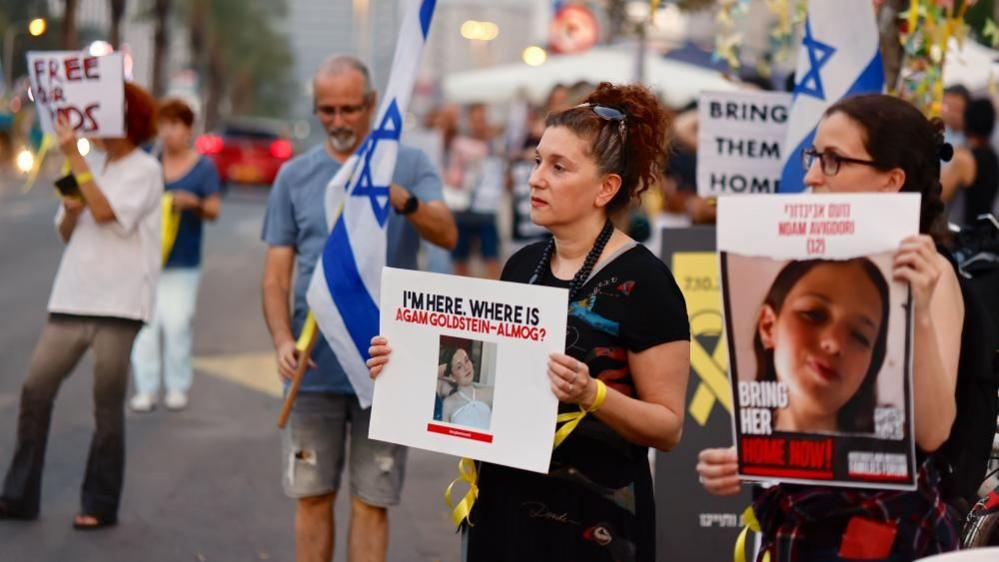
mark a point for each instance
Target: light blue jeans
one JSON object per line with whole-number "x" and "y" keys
{"x": 176, "y": 299}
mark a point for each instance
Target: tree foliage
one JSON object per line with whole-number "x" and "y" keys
{"x": 244, "y": 60}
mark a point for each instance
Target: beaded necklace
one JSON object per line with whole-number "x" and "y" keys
{"x": 583, "y": 275}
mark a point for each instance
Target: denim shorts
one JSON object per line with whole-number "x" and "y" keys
{"x": 313, "y": 447}
{"x": 472, "y": 226}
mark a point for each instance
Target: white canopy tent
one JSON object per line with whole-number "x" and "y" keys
{"x": 973, "y": 65}
{"x": 679, "y": 83}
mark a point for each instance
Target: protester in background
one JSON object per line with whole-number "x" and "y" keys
{"x": 578, "y": 93}
{"x": 430, "y": 137}
{"x": 681, "y": 174}
{"x": 476, "y": 170}
{"x": 103, "y": 292}
{"x": 193, "y": 183}
{"x": 557, "y": 100}
{"x": 327, "y": 409}
{"x": 879, "y": 143}
{"x": 520, "y": 165}
{"x": 445, "y": 119}
{"x": 973, "y": 177}
{"x": 952, "y": 105}
{"x": 628, "y": 354}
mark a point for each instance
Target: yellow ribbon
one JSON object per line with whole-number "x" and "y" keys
{"x": 171, "y": 224}
{"x": 36, "y": 166}
{"x": 751, "y": 524}
{"x": 468, "y": 474}
{"x": 466, "y": 466}
{"x": 307, "y": 330}
{"x": 572, "y": 419}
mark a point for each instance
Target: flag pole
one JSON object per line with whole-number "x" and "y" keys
{"x": 306, "y": 342}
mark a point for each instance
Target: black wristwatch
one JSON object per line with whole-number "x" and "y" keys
{"x": 410, "y": 205}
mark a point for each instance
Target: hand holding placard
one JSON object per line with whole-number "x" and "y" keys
{"x": 65, "y": 136}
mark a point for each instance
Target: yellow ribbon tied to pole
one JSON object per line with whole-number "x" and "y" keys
{"x": 307, "y": 331}
{"x": 170, "y": 224}
{"x": 750, "y": 524}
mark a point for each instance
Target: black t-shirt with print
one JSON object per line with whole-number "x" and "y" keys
{"x": 596, "y": 502}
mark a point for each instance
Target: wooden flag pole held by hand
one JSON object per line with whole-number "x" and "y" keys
{"x": 306, "y": 341}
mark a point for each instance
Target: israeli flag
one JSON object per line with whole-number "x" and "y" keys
{"x": 839, "y": 57}
{"x": 345, "y": 288}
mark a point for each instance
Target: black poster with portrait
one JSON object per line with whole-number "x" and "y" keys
{"x": 691, "y": 524}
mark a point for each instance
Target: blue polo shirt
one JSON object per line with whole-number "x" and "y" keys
{"x": 296, "y": 217}
{"x": 202, "y": 180}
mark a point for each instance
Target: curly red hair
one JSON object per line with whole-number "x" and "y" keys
{"x": 140, "y": 112}
{"x": 639, "y": 155}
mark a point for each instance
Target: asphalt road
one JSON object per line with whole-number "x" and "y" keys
{"x": 203, "y": 484}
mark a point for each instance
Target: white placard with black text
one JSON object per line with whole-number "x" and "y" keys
{"x": 468, "y": 371}
{"x": 740, "y": 142}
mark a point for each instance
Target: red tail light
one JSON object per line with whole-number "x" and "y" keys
{"x": 281, "y": 149}
{"x": 209, "y": 144}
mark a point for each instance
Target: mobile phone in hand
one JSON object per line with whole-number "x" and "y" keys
{"x": 68, "y": 187}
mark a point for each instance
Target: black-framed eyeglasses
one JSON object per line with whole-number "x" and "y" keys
{"x": 609, "y": 114}
{"x": 830, "y": 162}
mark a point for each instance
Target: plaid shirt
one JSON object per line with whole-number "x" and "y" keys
{"x": 796, "y": 519}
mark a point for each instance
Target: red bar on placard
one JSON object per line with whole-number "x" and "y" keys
{"x": 788, "y": 472}
{"x": 456, "y": 432}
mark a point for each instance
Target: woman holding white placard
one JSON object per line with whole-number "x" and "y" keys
{"x": 878, "y": 143}
{"x": 101, "y": 296}
{"x": 627, "y": 354}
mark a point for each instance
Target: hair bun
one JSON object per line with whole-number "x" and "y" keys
{"x": 945, "y": 151}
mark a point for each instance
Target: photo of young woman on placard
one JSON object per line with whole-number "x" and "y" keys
{"x": 821, "y": 329}
{"x": 465, "y": 380}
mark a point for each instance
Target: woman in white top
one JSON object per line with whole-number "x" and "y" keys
{"x": 470, "y": 405}
{"x": 101, "y": 296}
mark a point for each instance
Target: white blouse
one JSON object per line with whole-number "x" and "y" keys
{"x": 111, "y": 269}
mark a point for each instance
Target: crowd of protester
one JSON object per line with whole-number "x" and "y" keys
{"x": 466, "y": 201}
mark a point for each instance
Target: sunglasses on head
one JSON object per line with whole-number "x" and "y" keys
{"x": 608, "y": 114}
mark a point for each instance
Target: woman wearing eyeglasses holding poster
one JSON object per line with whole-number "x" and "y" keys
{"x": 627, "y": 354}
{"x": 878, "y": 143}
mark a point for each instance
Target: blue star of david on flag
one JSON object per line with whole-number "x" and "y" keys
{"x": 389, "y": 129}
{"x": 345, "y": 288}
{"x": 839, "y": 57}
{"x": 819, "y": 54}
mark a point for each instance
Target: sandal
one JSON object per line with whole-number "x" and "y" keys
{"x": 87, "y": 522}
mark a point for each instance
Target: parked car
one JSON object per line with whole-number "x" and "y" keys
{"x": 246, "y": 152}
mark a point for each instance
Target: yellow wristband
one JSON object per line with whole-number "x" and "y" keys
{"x": 83, "y": 178}
{"x": 598, "y": 400}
